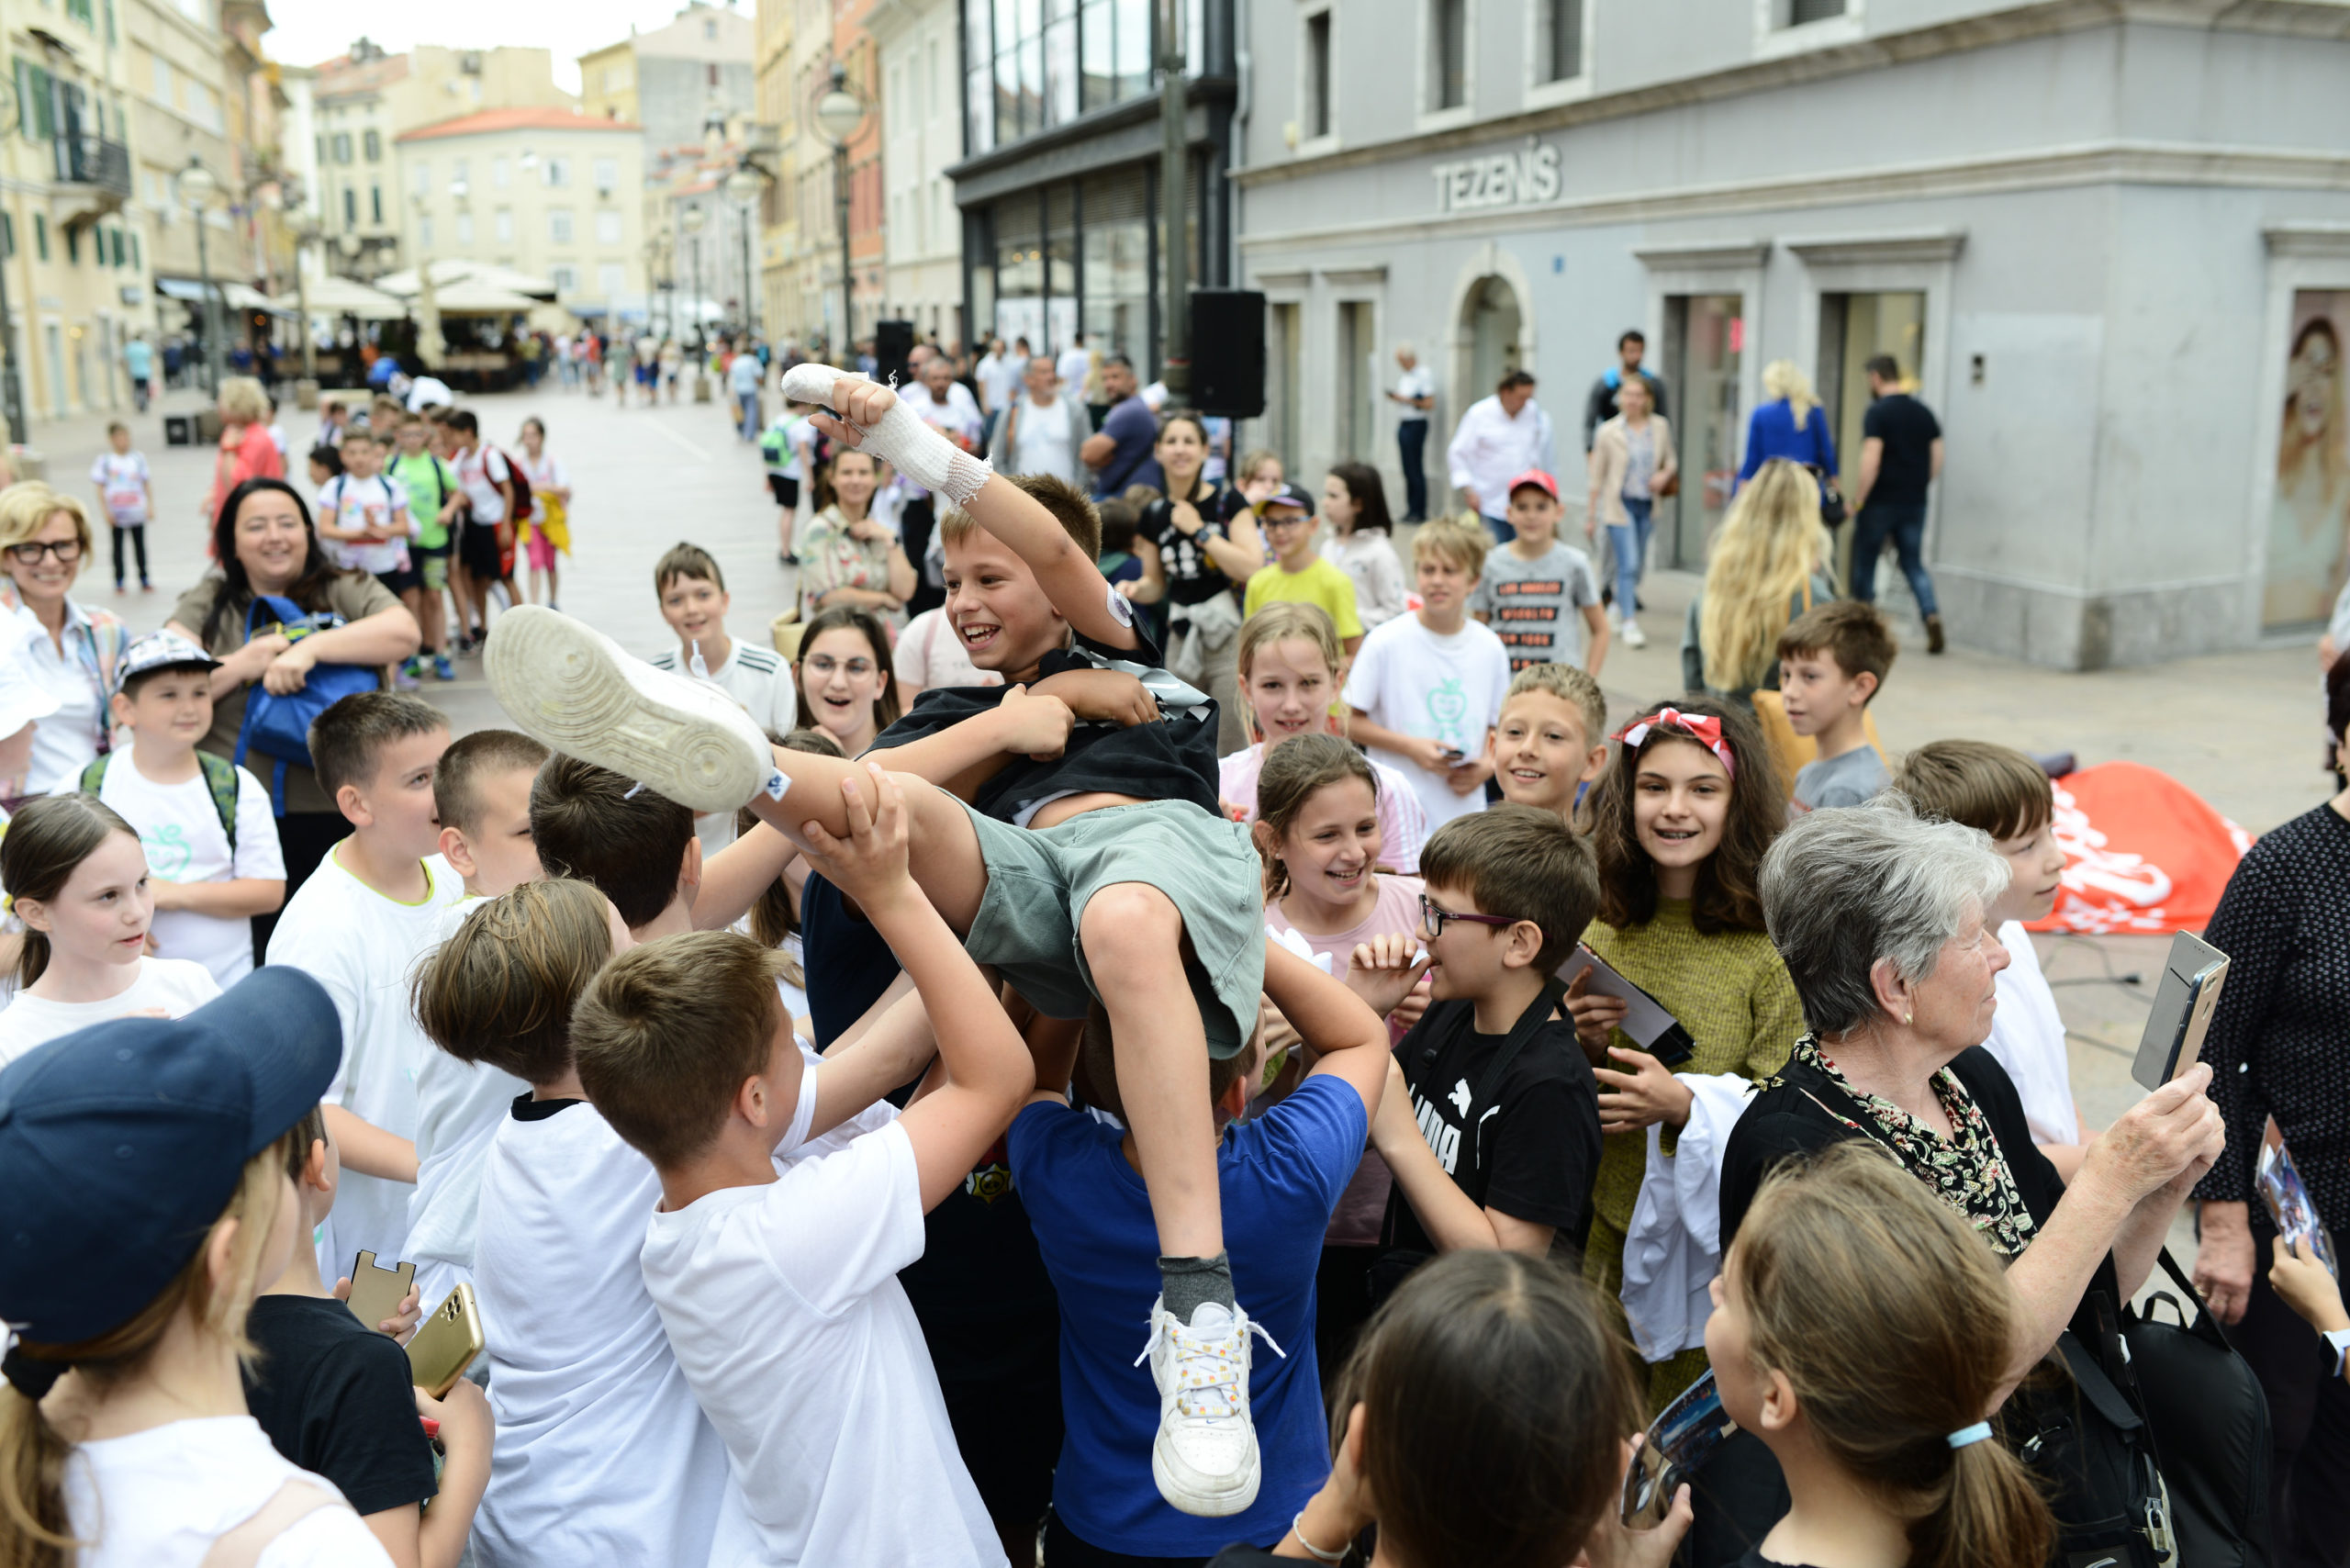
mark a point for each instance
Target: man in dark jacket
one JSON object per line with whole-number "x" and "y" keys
{"x": 1600, "y": 406}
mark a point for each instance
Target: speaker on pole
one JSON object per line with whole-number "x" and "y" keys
{"x": 892, "y": 342}
{"x": 1228, "y": 352}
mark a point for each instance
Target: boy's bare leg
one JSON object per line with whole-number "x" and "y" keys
{"x": 1132, "y": 931}
{"x": 943, "y": 847}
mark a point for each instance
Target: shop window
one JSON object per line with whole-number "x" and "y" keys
{"x": 1317, "y": 75}
{"x": 1448, "y": 56}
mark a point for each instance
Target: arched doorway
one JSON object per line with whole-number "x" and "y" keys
{"x": 1490, "y": 323}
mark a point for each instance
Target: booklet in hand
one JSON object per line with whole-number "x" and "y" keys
{"x": 1679, "y": 1442}
{"x": 1647, "y": 1023}
{"x": 2288, "y": 1201}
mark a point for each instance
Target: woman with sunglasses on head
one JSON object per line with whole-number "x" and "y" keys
{"x": 44, "y": 545}
{"x": 1681, "y": 819}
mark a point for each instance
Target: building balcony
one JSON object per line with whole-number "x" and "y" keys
{"x": 95, "y": 161}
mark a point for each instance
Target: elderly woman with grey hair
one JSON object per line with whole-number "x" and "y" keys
{"x": 1879, "y": 915}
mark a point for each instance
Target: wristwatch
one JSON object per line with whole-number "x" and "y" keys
{"x": 2336, "y": 1345}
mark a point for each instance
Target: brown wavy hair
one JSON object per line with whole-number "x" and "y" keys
{"x": 1725, "y": 899}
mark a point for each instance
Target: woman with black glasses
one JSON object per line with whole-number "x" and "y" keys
{"x": 44, "y": 545}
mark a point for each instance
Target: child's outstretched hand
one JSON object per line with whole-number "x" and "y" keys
{"x": 857, "y": 406}
{"x": 869, "y": 865}
{"x": 2307, "y": 1287}
{"x": 1384, "y": 971}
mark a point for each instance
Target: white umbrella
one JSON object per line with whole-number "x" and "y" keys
{"x": 450, "y": 270}
{"x": 342, "y": 297}
{"x": 473, "y": 296}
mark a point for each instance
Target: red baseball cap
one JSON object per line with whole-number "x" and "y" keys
{"x": 1538, "y": 479}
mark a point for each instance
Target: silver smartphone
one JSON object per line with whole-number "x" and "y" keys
{"x": 2192, "y": 975}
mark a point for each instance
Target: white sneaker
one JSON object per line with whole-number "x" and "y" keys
{"x": 1633, "y": 636}
{"x": 568, "y": 686}
{"x": 1205, "y": 1457}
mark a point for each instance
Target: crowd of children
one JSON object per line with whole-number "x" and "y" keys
{"x": 1065, "y": 1144}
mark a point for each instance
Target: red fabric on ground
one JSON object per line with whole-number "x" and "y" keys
{"x": 2144, "y": 853}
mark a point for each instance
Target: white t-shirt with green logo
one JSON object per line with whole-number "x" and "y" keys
{"x": 179, "y": 827}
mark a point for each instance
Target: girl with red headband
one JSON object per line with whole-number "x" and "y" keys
{"x": 1681, "y": 818}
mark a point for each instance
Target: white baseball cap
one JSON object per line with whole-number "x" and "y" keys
{"x": 22, "y": 699}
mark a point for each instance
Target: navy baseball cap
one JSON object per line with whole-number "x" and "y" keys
{"x": 121, "y": 1143}
{"x": 1289, "y": 495}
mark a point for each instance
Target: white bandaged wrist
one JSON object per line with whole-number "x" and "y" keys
{"x": 900, "y": 438}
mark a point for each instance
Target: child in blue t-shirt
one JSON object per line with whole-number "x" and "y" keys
{"x": 1281, "y": 1174}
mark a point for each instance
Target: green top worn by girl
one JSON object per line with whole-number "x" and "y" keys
{"x": 1730, "y": 990}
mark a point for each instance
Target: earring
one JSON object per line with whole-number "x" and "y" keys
{"x": 1908, "y": 1018}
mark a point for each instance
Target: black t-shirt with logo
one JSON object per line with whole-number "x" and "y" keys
{"x": 1173, "y": 759}
{"x": 336, "y": 1398}
{"x": 1908, "y": 430}
{"x": 1532, "y": 1151}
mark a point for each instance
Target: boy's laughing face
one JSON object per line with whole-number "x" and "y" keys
{"x": 997, "y": 606}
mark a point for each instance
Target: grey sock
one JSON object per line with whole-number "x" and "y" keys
{"x": 1184, "y": 1283}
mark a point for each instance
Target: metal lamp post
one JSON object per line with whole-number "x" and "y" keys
{"x": 197, "y": 187}
{"x": 743, "y": 188}
{"x": 1175, "y": 363}
{"x": 840, "y": 113}
{"x": 693, "y": 220}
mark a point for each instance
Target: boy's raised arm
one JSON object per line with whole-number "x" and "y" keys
{"x": 988, "y": 1071}
{"x": 868, "y": 415}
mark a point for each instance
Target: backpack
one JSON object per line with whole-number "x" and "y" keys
{"x": 522, "y": 505}
{"x": 219, "y": 782}
{"x": 2209, "y": 1418}
{"x": 279, "y": 727}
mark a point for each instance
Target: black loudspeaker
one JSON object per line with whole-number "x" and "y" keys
{"x": 892, "y": 341}
{"x": 1228, "y": 352}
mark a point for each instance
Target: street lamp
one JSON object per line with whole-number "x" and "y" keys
{"x": 840, "y": 114}
{"x": 743, "y": 187}
{"x": 197, "y": 187}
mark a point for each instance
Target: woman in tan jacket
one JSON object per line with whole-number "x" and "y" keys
{"x": 1631, "y": 465}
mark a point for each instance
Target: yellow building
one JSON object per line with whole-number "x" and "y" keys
{"x": 608, "y": 82}
{"x": 550, "y": 192}
{"x": 778, "y": 212}
{"x": 359, "y": 193}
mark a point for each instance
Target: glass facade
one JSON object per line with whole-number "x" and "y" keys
{"x": 1035, "y": 64}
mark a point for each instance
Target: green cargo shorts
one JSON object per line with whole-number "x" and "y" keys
{"x": 1040, "y": 882}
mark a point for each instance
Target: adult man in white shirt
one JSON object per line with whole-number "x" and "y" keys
{"x": 946, "y": 405}
{"x": 1414, "y": 395}
{"x": 1074, "y": 365}
{"x": 1499, "y": 438}
{"x": 1039, "y": 433}
{"x": 998, "y": 375}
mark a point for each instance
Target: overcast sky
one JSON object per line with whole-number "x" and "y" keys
{"x": 308, "y": 31}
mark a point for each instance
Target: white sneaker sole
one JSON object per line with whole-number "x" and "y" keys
{"x": 573, "y": 690}
{"x": 1236, "y": 1498}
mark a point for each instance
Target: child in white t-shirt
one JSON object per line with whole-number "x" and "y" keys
{"x": 693, "y": 598}
{"x": 1426, "y": 686}
{"x": 127, "y": 493}
{"x": 481, "y": 792}
{"x": 779, "y": 1288}
{"x": 357, "y": 927}
{"x": 363, "y": 519}
{"x": 213, "y": 860}
{"x": 78, "y": 878}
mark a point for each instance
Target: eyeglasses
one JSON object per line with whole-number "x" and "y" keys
{"x": 1436, "y": 914}
{"x": 824, "y": 664}
{"x": 67, "y": 552}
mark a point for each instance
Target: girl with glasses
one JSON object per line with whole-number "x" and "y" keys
{"x": 843, "y": 677}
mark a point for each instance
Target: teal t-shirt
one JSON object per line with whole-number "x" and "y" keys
{"x": 429, "y": 482}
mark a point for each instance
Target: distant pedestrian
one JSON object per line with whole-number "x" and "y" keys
{"x": 1791, "y": 424}
{"x": 1499, "y": 438}
{"x": 246, "y": 450}
{"x": 549, "y": 523}
{"x": 1074, "y": 365}
{"x": 1901, "y": 453}
{"x": 1601, "y": 406}
{"x": 138, "y": 359}
{"x": 1767, "y": 565}
{"x": 745, "y": 376}
{"x": 1039, "y": 431}
{"x": 128, "y": 492}
{"x": 1631, "y": 465}
{"x": 1415, "y": 393}
{"x": 1119, "y": 450}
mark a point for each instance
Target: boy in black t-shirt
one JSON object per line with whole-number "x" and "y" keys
{"x": 334, "y": 1394}
{"x": 1062, "y": 851}
{"x": 1491, "y": 1122}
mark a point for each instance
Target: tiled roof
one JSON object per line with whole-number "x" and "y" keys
{"x": 544, "y": 118}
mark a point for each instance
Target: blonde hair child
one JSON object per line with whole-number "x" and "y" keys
{"x": 1288, "y": 667}
{"x": 1864, "y": 1332}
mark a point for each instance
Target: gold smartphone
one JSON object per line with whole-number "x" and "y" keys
{"x": 446, "y": 1343}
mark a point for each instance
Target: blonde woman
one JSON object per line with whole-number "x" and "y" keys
{"x": 1632, "y": 461}
{"x": 44, "y": 545}
{"x": 1768, "y": 565}
{"x": 1789, "y": 423}
{"x": 2306, "y": 531}
{"x": 247, "y": 452}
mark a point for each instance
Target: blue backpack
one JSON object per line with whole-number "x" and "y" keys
{"x": 279, "y": 727}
